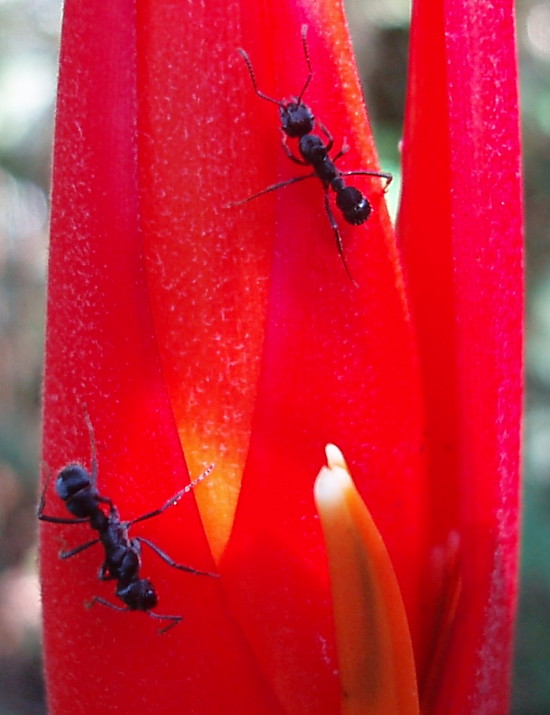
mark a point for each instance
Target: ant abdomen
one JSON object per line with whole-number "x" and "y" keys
{"x": 354, "y": 206}
{"x": 138, "y": 595}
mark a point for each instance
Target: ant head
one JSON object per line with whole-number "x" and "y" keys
{"x": 76, "y": 487}
{"x": 354, "y": 206}
{"x": 72, "y": 479}
{"x": 297, "y": 119}
{"x": 139, "y": 595}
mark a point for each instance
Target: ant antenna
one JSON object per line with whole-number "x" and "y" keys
{"x": 261, "y": 94}
{"x": 199, "y": 479}
{"x": 308, "y": 61}
{"x": 91, "y": 433}
{"x": 93, "y": 444}
{"x": 173, "y": 500}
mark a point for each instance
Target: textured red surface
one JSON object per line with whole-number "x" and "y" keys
{"x": 102, "y": 351}
{"x": 238, "y": 328}
{"x": 460, "y": 227}
{"x": 268, "y": 349}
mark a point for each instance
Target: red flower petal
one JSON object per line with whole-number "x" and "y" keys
{"x": 460, "y": 226}
{"x": 330, "y": 362}
{"x": 339, "y": 364}
{"x": 102, "y": 354}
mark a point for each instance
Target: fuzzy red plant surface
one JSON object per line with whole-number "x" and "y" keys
{"x": 194, "y": 331}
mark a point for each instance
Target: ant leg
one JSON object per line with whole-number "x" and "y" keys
{"x": 173, "y": 500}
{"x": 161, "y": 617}
{"x": 290, "y": 155}
{"x": 174, "y": 619}
{"x": 173, "y": 563}
{"x": 77, "y": 550}
{"x": 58, "y": 520}
{"x": 98, "y": 599}
{"x": 343, "y": 150}
{"x": 273, "y": 187}
{"x": 42, "y": 500}
{"x": 338, "y": 237}
{"x": 379, "y": 174}
{"x": 328, "y": 136}
{"x": 104, "y": 574}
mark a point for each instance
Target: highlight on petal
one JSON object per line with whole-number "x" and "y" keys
{"x": 375, "y": 656}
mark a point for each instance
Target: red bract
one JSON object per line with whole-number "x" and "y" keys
{"x": 460, "y": 226}
{"x": 194, "y": 331}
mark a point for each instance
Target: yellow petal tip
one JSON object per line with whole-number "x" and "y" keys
{"x": 375, "y": 658}
{"x": 335, "y": 458}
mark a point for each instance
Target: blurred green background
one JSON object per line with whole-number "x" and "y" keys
{"x": 29, "y": 37}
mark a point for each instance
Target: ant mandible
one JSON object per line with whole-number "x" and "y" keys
{"x": 298, "y": 121}
{"x": 77, "y": 487}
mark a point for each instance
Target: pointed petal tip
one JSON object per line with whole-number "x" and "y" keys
{"x": 375, "y": 656}
{"x": 335, "y": 458}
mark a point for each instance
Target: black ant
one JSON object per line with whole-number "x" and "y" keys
{"x": 298, "y": 121}
{"x": 77, "y": 487}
